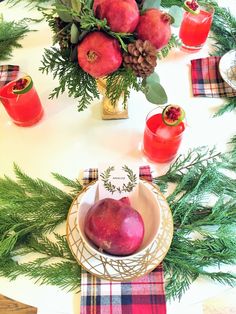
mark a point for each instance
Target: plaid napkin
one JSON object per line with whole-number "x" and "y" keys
{"x": 145, "y": 295}
{"x": 206, "y": 79}
{"x": 8, "y": 73}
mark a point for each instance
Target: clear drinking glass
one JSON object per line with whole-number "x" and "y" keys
{"x": 160, "y": 141}
{"x": 194, "y": 29}
{"x": 24, "y": 109}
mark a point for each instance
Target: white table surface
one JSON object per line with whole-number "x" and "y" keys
{"x": 66, "y": 141}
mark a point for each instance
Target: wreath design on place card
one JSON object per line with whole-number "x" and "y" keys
{"x": 111, "y": 187}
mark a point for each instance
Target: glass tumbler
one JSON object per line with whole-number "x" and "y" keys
{"x": 160, "y": 141}
{"x": 194, "y": 28}
{"x": 24, "y": 108}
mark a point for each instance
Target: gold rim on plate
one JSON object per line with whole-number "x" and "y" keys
{"x": 132, "y": 266}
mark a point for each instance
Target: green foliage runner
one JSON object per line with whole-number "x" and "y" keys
{"x": 32, "y": 209}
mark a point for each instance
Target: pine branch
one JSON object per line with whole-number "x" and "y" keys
{"x": 71, "y": 77}
{"x": 228, "y": 107}
{"x": 18, "y": 200}
{"x": 199, "y": 157}
{"x": 174, "y": 42}
{"x": 75, "y": 185}
{"x": 10, "y": 35}
{"x": 65, "y": 275}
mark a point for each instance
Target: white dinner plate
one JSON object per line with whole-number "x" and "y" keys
{"x": 119, "y": 268}
{"x": 227, "y": 68}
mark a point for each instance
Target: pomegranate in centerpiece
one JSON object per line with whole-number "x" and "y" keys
{"x": 99, "y": 54}
{"x": 114, "y": 226}
{"x": 122, "y": 15}
{"x": 154, "y": 25}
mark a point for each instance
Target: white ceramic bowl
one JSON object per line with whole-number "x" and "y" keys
{"x": 158, "y": 224}
{"x": 142, "y": 199}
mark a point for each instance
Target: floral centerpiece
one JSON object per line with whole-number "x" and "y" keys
{"x": 109, "y": 41}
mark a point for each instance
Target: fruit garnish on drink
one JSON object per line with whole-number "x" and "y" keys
{"x": 114, "y": 226}
{"x": 191, "y": 6}
{"x": 22, "y": 85}
{"x": 172, "y": 115}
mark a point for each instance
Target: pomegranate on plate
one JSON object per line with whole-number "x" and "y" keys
{"x": 114, "y": 226}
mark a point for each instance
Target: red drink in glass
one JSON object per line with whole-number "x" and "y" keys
{"x": 161, "y": 141}
{"x": 24, "y": 109}
{"x": 194, "y": 29}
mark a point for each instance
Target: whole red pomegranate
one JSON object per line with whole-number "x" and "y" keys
{"x": 114, "y": 226}
{"x": 99, "y": 54}
{"x": 122, "y": 15}
{"x": 154, "y": 25}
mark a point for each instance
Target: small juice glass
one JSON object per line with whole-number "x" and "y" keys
{"x": 160, "y": 141}
{"x": 194, "y": 29}
{"x": 24, "y": 109}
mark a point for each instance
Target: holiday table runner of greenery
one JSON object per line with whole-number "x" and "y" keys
{"x": 203, "y": 204}
{"x": 31, "y": 210}
{"x": 69, "y": 20}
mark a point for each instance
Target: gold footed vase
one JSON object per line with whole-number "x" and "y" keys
{"x": 109, "y": 110}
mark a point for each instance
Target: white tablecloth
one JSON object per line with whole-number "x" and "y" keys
{"x": 66, "y": 142}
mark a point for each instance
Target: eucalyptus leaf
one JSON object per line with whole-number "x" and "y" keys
{"x": 76, "y": 5}
{"x": 152, "y": 78}
{"x": 63, "y": 14}
{"x": 177, "y": 14}
{"x": 74, "y": 34}
{"x": 155, "y": 93}
{"x": 151, "y": 4}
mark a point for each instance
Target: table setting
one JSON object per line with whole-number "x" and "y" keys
{"x": 123, "y": 107}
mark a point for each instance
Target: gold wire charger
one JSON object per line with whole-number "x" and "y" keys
{"x": 115, "y": 268}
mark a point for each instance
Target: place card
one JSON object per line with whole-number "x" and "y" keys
{"x": 117, "y": 181}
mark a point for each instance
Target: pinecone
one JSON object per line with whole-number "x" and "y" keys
{"x": 62, "y": 33}
{"x": 141, "y": 58}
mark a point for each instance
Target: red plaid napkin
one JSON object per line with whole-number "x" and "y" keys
{"x": 8, "y": 73}
{"x": 206, "y": 79}
{"x": 145, "y": 295}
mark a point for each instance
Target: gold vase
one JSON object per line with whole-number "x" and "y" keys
{"x": 111, "y": 111}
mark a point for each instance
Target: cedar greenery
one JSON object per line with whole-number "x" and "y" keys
{"x": 10, "y": 35}
{"x": 30, "y": 207}
{"x": 78, "y": 83}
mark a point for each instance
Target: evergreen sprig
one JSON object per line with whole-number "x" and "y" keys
{"x": 120, "y": 83}
{"x": 174, "y": 42}
{"x": 11, "y": 33}
{"x": 78, "y": 83}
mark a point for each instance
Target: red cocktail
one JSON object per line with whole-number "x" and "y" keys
{"x": 161, "y": 141}
{"x": 25, "y": 109}
{"x": 195, "y": 28}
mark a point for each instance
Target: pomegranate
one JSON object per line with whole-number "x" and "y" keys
{"x": 122, "y": 15}
{"x": 114, "y": 226}
{"x": 154, "y": 25}
{"x": 99, "y": 54}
